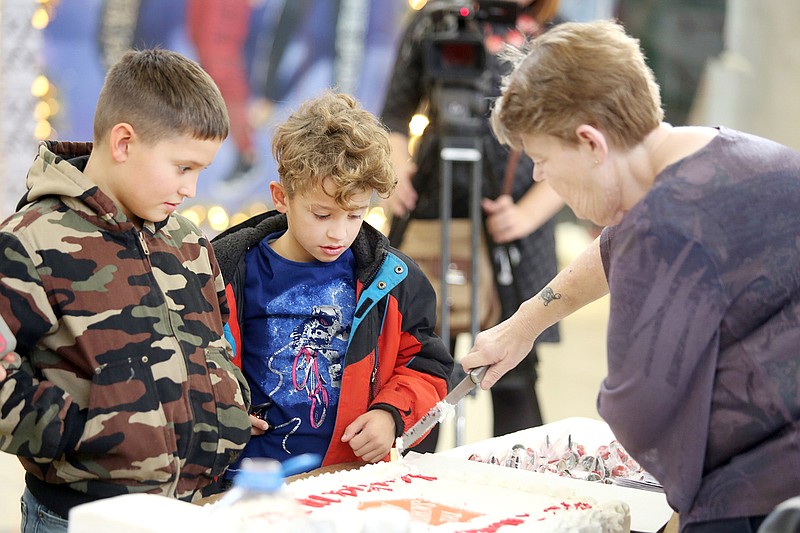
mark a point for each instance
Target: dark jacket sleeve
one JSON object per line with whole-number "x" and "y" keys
{"x": 406, "y": 86}
{"x": 423, "y": 365}
{"x": 418, "y": 308}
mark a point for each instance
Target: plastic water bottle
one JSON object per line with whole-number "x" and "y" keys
{"x": 257, "y": 501}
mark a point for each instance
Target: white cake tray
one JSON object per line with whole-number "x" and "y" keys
{"x": 649, "y": 510}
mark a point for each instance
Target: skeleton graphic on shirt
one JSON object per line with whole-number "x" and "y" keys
{"x": 308, "y": 342}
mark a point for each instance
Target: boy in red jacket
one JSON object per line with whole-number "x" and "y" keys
{"x": 335, "y": 329}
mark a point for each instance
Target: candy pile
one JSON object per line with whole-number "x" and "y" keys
{"x": 568, "y": 458}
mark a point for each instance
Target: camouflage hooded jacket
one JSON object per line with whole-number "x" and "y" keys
{"x": 125, "y": 382}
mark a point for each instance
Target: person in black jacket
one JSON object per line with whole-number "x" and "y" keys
{"x": 517, "y": 215}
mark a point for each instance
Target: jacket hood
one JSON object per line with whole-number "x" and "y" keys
{"x": 57, "y": 172}
{"x": 53, "y": 174}
{"x": 369, "y": 248}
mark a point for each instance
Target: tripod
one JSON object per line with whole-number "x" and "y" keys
{"x": 463, "y": 151}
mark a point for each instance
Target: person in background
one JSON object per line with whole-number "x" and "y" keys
{"x": 218, "y": 30}
{"x": 700, "y": 257}
{"x": 123, "y": 380}
{"x": 333, "y": 327}
{"x": 518, "y": 215}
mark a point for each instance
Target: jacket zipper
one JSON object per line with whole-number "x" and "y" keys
{"x": 372, "y": 386}
{"x": 176, "y": 460}
{"x": 370, "y": 278}
{"x": 143, "y": 243}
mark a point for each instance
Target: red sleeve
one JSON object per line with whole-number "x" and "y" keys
{"x": 233, "y": 325}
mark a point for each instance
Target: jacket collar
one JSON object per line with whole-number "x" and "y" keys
{"x": 369, "y": 248}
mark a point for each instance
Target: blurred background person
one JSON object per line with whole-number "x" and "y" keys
{"x": 218, "y": 30}
{"x": 678, "y": 38}
{"x": 517, "y": 215}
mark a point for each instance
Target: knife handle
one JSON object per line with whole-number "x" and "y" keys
{"x": 476, "y": 374}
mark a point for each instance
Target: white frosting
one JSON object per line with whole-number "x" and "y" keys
{"x": 453, "y": 502}
{"x": 444, "y": 412}
{"x": 136, "y": 513}
{"x": 445, "y": 501}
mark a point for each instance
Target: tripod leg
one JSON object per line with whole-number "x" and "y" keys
{"x": 464, "y": 151}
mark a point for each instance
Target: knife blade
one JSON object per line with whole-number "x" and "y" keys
{"x": 438, "y": 411}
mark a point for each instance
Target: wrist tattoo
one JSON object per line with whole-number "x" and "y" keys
{"x": 548, "y": 295}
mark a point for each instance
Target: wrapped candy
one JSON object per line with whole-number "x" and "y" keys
{"x": 565, "y": 457}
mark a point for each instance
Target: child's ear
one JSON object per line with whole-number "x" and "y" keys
{"x": 119, "y": 141}
{"x": 279, "y": 196}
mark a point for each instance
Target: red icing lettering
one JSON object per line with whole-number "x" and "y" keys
{"x": 565, "y": 506}
{"x": 315, "y": 500}
{"x": 348, "y": 491}
{"x": 379, "y": 486}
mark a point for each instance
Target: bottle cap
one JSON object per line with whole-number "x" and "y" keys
{"x": 260, "y": 475}
{"x": 301, "y": 463}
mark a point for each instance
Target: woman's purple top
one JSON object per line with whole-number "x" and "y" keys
{"x": 703, "y": 385}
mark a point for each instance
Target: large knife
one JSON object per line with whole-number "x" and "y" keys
{"x": 441, "y": 410}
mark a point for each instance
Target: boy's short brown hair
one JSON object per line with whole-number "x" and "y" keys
{"x": 161, "y": 94}
{"x": 578, "y": 73}
{"x": 332, "y": 136}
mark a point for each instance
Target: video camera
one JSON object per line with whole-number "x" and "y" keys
{"x": 455, "y": 59}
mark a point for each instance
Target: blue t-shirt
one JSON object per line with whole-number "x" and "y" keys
{"x": 296, "y": 325}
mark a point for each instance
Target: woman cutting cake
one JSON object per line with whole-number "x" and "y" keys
{"x": 701, "y": 257}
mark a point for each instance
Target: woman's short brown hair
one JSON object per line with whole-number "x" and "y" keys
{"x": 578, "y": 73}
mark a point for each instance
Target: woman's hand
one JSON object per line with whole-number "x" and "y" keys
{"x": 404, "y": 198}
{"x": 501, "y": 348}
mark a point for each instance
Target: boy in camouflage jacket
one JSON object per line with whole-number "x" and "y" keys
{"x": 123, "y": 380}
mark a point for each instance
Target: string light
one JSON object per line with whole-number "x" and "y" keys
{"x": 218, "y": 218}
{"x": 417, "y": 125}
{"x": 41, "y": 88}
{"x": 238, "y": 218}
{"x": 40, "y": 19}
{"x": 376, "y": 217}
{"x": 193, "y": 215}
{"x": 256, "y": 208}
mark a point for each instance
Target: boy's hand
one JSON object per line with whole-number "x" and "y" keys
{"x": 9, "y": 358}
{"x": 371, "y": 435}
{"x": 258, "y": 426}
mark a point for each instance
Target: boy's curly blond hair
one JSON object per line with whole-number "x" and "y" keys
{"x": 332, "y": 136}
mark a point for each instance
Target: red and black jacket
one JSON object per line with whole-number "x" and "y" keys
{"x": 394, "y": 360}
